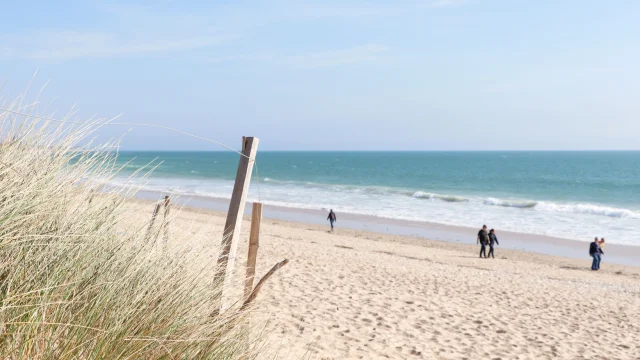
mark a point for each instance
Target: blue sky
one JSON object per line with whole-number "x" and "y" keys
{"x": 342, "y": 75}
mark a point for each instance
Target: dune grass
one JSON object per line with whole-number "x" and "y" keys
{"x": 74, "y": 284}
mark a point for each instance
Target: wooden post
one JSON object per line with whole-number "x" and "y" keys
{"x": 165, "y": 230}
{"x": 266, "y": 277}
{"x": 254, "y": 240}
{"x": 153, "y": 219}
{"x": 231, "y": 233}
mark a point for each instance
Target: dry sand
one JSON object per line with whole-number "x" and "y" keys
{"x": 359, "y": 295}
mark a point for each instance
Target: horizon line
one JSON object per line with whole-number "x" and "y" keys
{"x": 415, "y": 151}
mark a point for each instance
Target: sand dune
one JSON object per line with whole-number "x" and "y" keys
{"x": 357, "y": 295}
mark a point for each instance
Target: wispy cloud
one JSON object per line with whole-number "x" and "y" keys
{"x": 308, "y": 10}
{"x": 258, "y": 57}
{"x": 136, "y": 30}
{"x": 298, "y": 9}
{"x": 129, "y": 30}
{"x": 337, "y": 57}
{"x": 318, "y": 59}
{"x": 445, "y": 3}
{"x": 502, "y": 88}
{"x": 66, "y": 45}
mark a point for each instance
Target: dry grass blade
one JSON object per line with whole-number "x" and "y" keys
{"x": 75, "y": 283}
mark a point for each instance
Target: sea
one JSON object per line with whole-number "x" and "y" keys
{"x": 571, "y": 195}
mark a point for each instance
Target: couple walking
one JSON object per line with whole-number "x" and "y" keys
{"x": 485, "y": 239}
{"x": 595, "y": 251}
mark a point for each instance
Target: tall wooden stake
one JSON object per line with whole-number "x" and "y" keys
{"x": 254, "y": 240}
{"x": 153, "y": 218}
{"x": 266, "y": 277}
{"x": 165, "y": 225}
{"x": 229, "y": 245}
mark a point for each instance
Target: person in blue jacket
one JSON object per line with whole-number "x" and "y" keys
{"x": 595, "y": 251}
{"x": 493, "y": 239}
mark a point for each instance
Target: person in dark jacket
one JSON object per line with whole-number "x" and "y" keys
{"x": 493, "y": 239}
{"x": 483, "y": 239}
{"x": 332, "y": 218}
{"x": 595, "y": 251}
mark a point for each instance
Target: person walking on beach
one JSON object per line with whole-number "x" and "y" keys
{"x": 332, "y": 218}
{"x": 595, "y": 252}
{"x": 601, "y": 245}
{"x": 483, "y": 239}
{"x": 492, "y": 239}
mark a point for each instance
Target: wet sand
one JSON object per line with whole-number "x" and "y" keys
{"x": 615, "y": 254}
{"x": 357, "y": 294}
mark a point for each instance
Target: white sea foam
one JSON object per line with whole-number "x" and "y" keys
{"x": 547, "y": 206}
{"x": 431, "y": 196}
{"x": 589, "y": 209}
{"x": 565, "y": 220}
{"x": 522, "y": 204}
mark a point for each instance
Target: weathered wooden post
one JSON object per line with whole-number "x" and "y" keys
{"x": 231, "y": 233}
{"x": 153, "y": 219}
{"x": 254, "y": 240}
{"x": 266, "y": 277}
{"x": 165, "y": 230}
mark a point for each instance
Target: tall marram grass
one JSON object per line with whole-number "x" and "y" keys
{"x": 74, "y": 284}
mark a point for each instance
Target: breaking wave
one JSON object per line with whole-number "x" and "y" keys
{"x": 311, "y": 195}
{"x": 547, "y": 206}
{"x": 522, "y": 204}
{"x": 589, "y": 209}
{"x": 431, "y": 196}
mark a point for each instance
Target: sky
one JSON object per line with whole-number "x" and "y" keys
{"x": 335, "y": 75}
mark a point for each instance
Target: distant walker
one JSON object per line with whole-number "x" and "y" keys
{"x": 332, "y": 218}
{"x": 493, "y": 240}
{"x": 595, "y": 251}
{"x": 483, "y": 239}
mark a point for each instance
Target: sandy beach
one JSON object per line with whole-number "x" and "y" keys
{"x": 363, "y": 295}
{"x": 130, "y": 131}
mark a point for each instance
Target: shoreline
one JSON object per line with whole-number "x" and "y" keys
{"x": 360, "y": 294}
{"x": 415, "y": 230}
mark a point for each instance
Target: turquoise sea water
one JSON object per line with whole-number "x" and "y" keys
{"x": 575, "y": 195}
